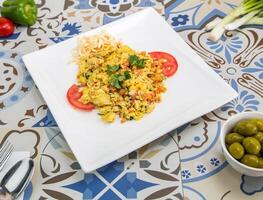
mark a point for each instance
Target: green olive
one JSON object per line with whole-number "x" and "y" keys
{"x": 259, "y": 123}
{"x": 259, "y": 137}
{"x": 250, "y": 160}
{"x": 260, "y": 163}
{"x": 236, "y": 150}
{"x": 246, "y": 128}
{"x": 233, "y": 137}
{"x": 251, "y": 145}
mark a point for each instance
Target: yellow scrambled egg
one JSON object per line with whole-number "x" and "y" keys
{"x": 118, "y": 80}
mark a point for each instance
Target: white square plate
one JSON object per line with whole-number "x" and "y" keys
{"x": 193, "y": 91}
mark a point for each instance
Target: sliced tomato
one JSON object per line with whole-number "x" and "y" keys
{"x": 73, "y": 96}
{"x": 170, "y": 65}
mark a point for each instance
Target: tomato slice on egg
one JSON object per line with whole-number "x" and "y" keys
{"x": 170, "y": 65}
{"x": 73, "y": 96}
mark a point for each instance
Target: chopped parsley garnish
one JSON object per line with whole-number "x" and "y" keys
{"x": 127, "y": 75}
{"x": 112, "y": 68}
{"x": 133, "y": 59}
{"x": 121, "y": 78}
{"x": 140, "y": 63}
{"x": 116, "y": 80}
{"x": 136, "y": 61}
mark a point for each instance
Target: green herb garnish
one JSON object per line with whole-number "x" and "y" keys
{"x": 248, "y": 12}
{"x": 127, "y": 75}
{"x": 121, "y": 78}
{"x": 140, "y": 63}
{"x": 112, "y": 68}
{"x": 136, "y": 61}
{"x": 133, "y": 59}
{"x": 116, "y": 80}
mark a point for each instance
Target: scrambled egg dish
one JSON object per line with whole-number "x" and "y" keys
{"x": 116, "y": 79}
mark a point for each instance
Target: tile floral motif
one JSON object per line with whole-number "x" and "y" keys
{"x": 122, "y": 179}
{"x": 198, "y": 11}
{"x": 186, "y": 174}
{"x": 16, "y": 82}
{"x": 83, "y": 15}
{"x": 154, "y": 171}
{"x": 251, "y": 185}
{"x": 180, "y": 20}
{"x": 241, "y": 68}
{"x": 251, "y": 83}
{"x": 128, "y": 184}
{"x": 244, "y": 102}
{"x": 112, "y": 8}
{"x": 214, "y": 161}
{"x": 46, "y": 121}
{"x": 229, "y": 45}
{"x": 256, "y": 69}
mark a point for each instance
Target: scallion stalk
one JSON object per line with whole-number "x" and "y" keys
{"x": 240, "y": 21}
{"x": 257, "y": 20}
{"x": 247, "y": 10}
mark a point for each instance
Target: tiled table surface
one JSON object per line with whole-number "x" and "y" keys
{"x": 186, "y": 163}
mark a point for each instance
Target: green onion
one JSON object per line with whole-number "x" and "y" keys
{"x": 239, "y": 22}
{"x": 257, "y": 20}
{"x": 212, "y": 24}
{"x": 241, "y": 15}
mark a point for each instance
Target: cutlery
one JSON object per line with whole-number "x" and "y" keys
{"x": 6, "y": 151}
{"x": 17, "y": 178}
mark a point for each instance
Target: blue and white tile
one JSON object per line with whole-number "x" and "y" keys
{"x": 151, "y": 172}
{"x": 83, "y": 15}
{"x": 198, "y": 11}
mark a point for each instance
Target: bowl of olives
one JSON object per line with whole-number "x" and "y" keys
{"x": 242, "y": 142}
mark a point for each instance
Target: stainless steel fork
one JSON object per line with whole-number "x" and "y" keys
{"x": 6, "y": 151}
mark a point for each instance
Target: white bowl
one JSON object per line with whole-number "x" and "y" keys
{"x": 226, "y": 128}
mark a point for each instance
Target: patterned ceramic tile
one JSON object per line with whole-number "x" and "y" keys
{"x": 183, "y": 14}
{"x": 149, "y": 173}
{"x": 29, "y": 140}
{"x": 202, "y": 161}
{"x": 18, "y": 93}
{"x": 83, "y": 15}
{"x": 28, "y": 39}
{"x": 226, "y": 185}
{"x": 154, "y": 171}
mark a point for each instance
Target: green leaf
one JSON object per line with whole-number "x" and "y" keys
{"x": 114, "y": 81}
{"x": 141, "y": 63}
{"x": 136, "y": 61}
{"x": 127, "y": 75}
{"x": 121, "y": 78}
{"x": 133, "y": 59}
{"x": 112, "y": 68}
{"x": 116, "y": 84}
